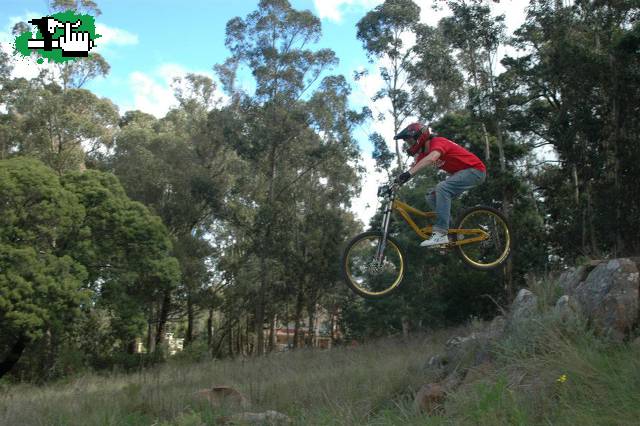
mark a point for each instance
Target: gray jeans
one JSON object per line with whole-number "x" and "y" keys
{"x": 439, "y": 198}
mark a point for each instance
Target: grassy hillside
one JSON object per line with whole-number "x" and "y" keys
{"x": 545, "y": 371}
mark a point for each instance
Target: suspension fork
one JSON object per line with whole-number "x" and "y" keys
{"x": 385, "y": 230}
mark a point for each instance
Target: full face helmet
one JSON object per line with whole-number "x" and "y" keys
{"x": 414, "y": 136}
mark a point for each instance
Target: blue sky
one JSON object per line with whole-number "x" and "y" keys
{"x": 148, "y": 42}
{"x": 158, "y": 38}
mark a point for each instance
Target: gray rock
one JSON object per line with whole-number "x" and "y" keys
{"x": 609, "y": 297}
{"x": 524, "y": 306}
{"x": 468, "y": 351}
{"x": 562, "y": 302}
{"x": 566, "y": 307}
{"x": 436, "y": 361}
{"x": 458, "y": 341}
{"x": 496, "y": 327}
{"x": 572, "y": 277}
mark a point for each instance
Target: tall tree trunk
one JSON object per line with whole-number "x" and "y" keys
{"x": 287, "y": 320}
{"x": 311, "y": 312}
{"x": 576, "y": 184}
{"x": 297, "y": 319}
{"x": 332, "y": 319}
{"x": 259, "y": 325}
{"x": 189, "y": 336}
{"x": 149, "y": 340}
{"x": 14, "y": 355}
{"x": 272, "y": 333}
{"x": 405, "y": 327}
{"x": 231, "y": 326}
{"x": 260, "y": 307}
{"x": 487, "y": 147}
{"x": 162, "y": 319}
{"x": 49, "y": 354}
{"x": 592, "y": 231}
{"x": 210, "y": 328}
{"x": 617, "y": 123}
{"x": 240, "y": 348}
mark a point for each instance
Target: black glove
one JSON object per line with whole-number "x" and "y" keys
{"x": 404, "y": 177}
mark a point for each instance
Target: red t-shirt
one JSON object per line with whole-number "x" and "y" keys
{"x": 453, "y": 157}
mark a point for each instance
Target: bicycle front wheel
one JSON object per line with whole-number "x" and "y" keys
{"x": 367, "y": 276}
{"x": 495, "y": 245}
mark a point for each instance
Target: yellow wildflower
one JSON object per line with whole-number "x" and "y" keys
{"x": 562, "y": 379}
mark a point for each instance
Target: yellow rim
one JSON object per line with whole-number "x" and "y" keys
{"x": 396, "y": 281}
{"x": 507, "y": 244}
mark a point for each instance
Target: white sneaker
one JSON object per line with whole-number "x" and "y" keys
{"x": 436, "y": 239}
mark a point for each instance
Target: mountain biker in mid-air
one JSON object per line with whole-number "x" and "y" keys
{"x": 465, "y": 169}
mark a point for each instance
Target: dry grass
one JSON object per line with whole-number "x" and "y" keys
{"x": 345, "y": 386}
{"x": 373, "y": 384}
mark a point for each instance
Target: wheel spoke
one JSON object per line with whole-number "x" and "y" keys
{"x": 368, "y": 276}
{"x": 491, "y": 252}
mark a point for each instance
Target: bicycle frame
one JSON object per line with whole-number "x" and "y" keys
{"x": 405, "y": 211}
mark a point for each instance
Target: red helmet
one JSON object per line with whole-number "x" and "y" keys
{"x": 416, "y": 131}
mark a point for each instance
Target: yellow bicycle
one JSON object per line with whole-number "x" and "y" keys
{"x": 374, "y": 263}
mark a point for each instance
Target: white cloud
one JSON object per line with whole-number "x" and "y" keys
{"x": 334, "y": 9}
{"x": 114, "y": 36}
{"x": 153, "y": 93}
{"x": 25, "y": 67}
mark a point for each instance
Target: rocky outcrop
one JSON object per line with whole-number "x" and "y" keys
{"x": 606, "y": 293}
{"x": 462, "y": 355}
{"x": 572, "y": 277}
{"x": 608, "y": 297}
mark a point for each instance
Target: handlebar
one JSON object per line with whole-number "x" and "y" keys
{"x": 388, "y": 189}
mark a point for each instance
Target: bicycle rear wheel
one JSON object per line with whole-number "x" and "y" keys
{"x": 364, "y": 274}
{"x": 492, "y": 251}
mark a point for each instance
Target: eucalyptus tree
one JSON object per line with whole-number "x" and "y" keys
{"x": 60, "y": 127}
{"x": 56, "y": 119}
{"x": 181, "y": 167}
{"x": 75, "y": 74}
{"x": 273, "y": 43}
{"x": 383, "y": 32}
{"x": 323, "y": 193}
{"x": 476, "y": 35}
{"x": 580, "y": 78}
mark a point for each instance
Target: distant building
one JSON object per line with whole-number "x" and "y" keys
{"x": 320, "y": 333}
{"x": 173, "y": 344}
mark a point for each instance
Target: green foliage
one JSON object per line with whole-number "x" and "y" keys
{"x": 50, "y": 123}
{"x": 379, "y": 29}
{"x": 584, "y": 109}
{"x": 41, "y": 284}
{"x": 72, "y": 243}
